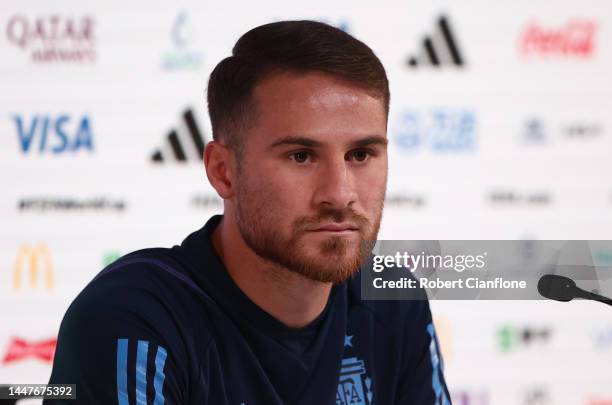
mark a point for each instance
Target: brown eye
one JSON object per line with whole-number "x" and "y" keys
{"x": 300, "y": 157}
{"x": 360, "y": 155}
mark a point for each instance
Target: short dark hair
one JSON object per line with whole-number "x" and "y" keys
{"x": 293, "y": 46}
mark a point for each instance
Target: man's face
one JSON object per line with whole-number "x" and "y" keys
{"x": 313, "y": 174}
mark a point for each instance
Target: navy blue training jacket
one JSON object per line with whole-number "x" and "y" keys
{"x": 169, "y": 326}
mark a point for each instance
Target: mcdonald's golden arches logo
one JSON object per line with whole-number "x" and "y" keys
{"x": 34, "y": 260}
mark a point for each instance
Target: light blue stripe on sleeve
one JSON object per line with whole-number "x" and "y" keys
{"x": 436, "y": 363}
{"x": 141, "y": 372}
{"x": 158, "y": 382}
{"x": 122, "y": 349}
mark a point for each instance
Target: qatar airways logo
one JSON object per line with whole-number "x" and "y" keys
{"x": 575, "y": 39}
{"x": 54, "y": 38}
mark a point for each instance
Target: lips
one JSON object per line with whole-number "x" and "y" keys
{"x": 336, "y": 227}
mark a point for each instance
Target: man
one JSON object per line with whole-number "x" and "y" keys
{"x": 262, "y": 305}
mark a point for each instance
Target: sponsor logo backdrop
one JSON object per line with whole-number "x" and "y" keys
{"x": 500, "y": 128}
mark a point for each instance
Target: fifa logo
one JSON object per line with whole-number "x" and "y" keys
{"x": 35, "y": 262}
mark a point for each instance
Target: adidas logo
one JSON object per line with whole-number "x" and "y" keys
{"x": 439, "y": 49}
{"x": 188, "y": 147}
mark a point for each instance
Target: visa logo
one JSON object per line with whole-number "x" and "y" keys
{"x": 54, "y": 134}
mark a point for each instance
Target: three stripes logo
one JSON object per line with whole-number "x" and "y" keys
{"x": 439, "y": 49}
{"x": 189, "y": 146}
{"x": 141, "y": 372}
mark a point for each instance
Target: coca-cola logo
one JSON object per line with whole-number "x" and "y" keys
{"x": 576, "y": 38}
{"x": 54, "y": 38}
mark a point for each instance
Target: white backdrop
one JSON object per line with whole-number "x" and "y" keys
{"x": 509, "y": 140}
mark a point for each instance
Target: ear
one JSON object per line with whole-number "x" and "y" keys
{"x": 220, "y": 166}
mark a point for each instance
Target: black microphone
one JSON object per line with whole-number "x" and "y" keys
{"x": 561, "y": 288}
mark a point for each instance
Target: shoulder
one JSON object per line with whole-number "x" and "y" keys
{"x": 148, "y": 287}
{"x": 158, "y": 270}
{"x": 133, "y": 316}
{"x": 140, "y": 275}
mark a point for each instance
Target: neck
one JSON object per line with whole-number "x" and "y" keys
{"x": 289, "y": 297}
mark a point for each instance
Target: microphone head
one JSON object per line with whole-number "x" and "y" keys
{"x": 556, "y": 287}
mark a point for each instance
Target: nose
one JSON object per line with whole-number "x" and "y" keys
{"x": 335, "y": 185}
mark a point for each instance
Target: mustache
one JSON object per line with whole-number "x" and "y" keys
{"x": 329, "y": 214}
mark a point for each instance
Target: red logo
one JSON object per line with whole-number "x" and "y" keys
{"x": 54, "y": 38}
{"x": 574, "y": 39}
{"x": 20, "y": 349}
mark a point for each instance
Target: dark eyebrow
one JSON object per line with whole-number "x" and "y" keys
{"x": 311, "y": 143}
{"x": 296, "y": 140}
{"x": 371, "y": 140}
